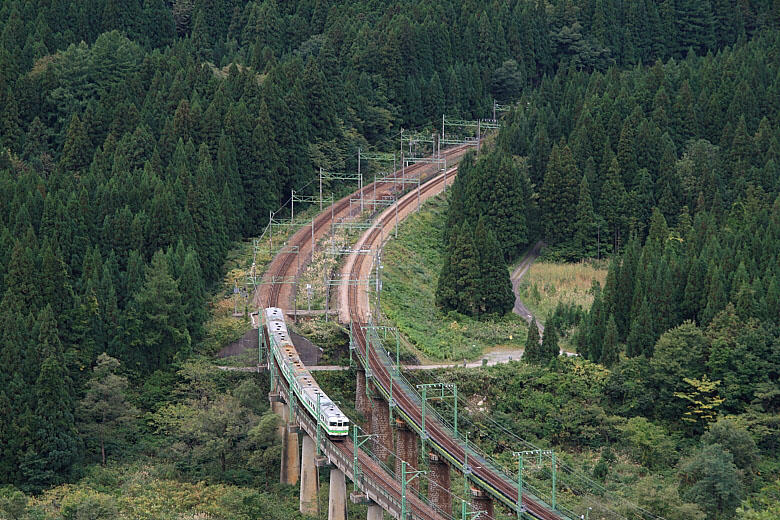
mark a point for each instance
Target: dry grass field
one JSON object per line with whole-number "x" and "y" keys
{"x": 547, "y": 283}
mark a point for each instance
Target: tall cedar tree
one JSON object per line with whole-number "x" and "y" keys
{"x": 458, "y": 287}
{"x": 533, "y": 347}
{"x": 559, "y": 194}
{"x": 585, "y": 228}
{"x": 609, "y": 352}
{"x": 494, "y": 284}
{"x": 157, "y": 320}
{"x": 53, "y": 441}
{"x": 550, "y": 348}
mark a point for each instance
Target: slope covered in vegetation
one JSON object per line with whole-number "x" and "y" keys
{"x": 140, "y": 139}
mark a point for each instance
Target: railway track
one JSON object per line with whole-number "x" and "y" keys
{"x": 495, "y": 482}
{"x": 280, "y": 295}
{"x": 377, "y": 482}
{"x": 284, "y": 264}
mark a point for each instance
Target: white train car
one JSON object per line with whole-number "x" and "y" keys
{"x": 299, "y": 379}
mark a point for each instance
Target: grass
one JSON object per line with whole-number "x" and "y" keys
{"x": 325, "y": 260}
{"x": 412, "y": 264}
{"x": 547, "y": 283}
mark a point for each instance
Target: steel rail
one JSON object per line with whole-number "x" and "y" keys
{"x": 379, "y": 485}
{"x": 282, "y": 264}
{"x": 490, "y": 478}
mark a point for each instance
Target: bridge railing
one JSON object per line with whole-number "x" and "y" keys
{"x": 376, "y": 490}
{"x": 374, "y": 343}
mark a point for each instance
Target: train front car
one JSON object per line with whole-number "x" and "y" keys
{"x": 300, "y": 380}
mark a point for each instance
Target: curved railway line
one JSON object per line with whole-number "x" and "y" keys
{"x": 284, "y": 264}
{"x": 378, "y": 482}
{"x": 279, "y": 295}
{"x": 408, "y": 407}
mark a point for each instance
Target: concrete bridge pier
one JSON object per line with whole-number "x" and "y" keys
{"x": 309, "y": 483}
{"x": 290, "y": 455}
{"x": 374, "y": 512}
{"x": 380, "y": 426}
{"x": 481, "y": 501}
{"x": 337, "y": 499}
{"x": 439, "y": 487}
{"x": 362, "y": 403}
{"x": 407, "y": 448}
{"x": 278, "y": 408}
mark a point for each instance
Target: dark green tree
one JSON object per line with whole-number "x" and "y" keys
{"x": 612, "y": 203}
{"x": 550, "y": 347}
{"x": 585, "y": 229}
{"x": 533, "y": 348}
{"x": 711, "y": 480}
{"x": 156, "y": 325}
{"x": 77, "y": 148}
{"x": 559, "y": 193}
{"x": 641, "y": 338}
{"x": 458, "y": 282}
{"x": 610, "y": 350}
{"x": 494, "y": 286}
{"x": 507, "y": 82}
{"x": 53, "y": 444}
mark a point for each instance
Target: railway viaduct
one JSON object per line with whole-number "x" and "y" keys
{"x": 398, "y": 436}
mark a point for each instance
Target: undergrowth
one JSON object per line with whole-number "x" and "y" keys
{"x": 412, "y": 264}
{"x": 546, "y": 284}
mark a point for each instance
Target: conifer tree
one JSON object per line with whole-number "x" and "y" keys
{"x": 22, "y": 293}
{"x": 626, "y": 156}
{"x": 596, "y": 327}
{"x": 193, "y": 294}
{"x": 533, "y": 348}
{"x": 550, "y": 348}
{"x": 559, "y": 194}
{"x": 585, "y": 226}
{"x": 458, "y": 287}
{"x": 157, "y": 320}
{"x": 624, "y": 293}
{"x": 613, "y": 199}
{"x": 77, "y": 149}
{"x": 641, "y": 337}
{"x": 609, "y": 352}
{"x": 53, "y": 447}
{"x": 493, "y": 285}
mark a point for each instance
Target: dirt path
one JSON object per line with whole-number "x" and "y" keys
{"x": 517, "y": 275}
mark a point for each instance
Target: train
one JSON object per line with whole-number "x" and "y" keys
{"x": 299, "y": 380}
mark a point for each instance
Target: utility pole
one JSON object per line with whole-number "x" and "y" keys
{"x": 361, "y": 183}
{"x": 540, "y": 453}
{"x": 404, "y": 483}
{"x": 443, "y": 389}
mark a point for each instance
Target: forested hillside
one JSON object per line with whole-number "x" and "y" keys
{"x": 672, "y": 171}
{"x": 139, "y": 140}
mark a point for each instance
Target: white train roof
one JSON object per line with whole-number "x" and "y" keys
{"x": 274, "y": 314}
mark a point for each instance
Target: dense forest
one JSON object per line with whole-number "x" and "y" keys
{"x": 672, "y": 171}
{"x": 139, "y": 140}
